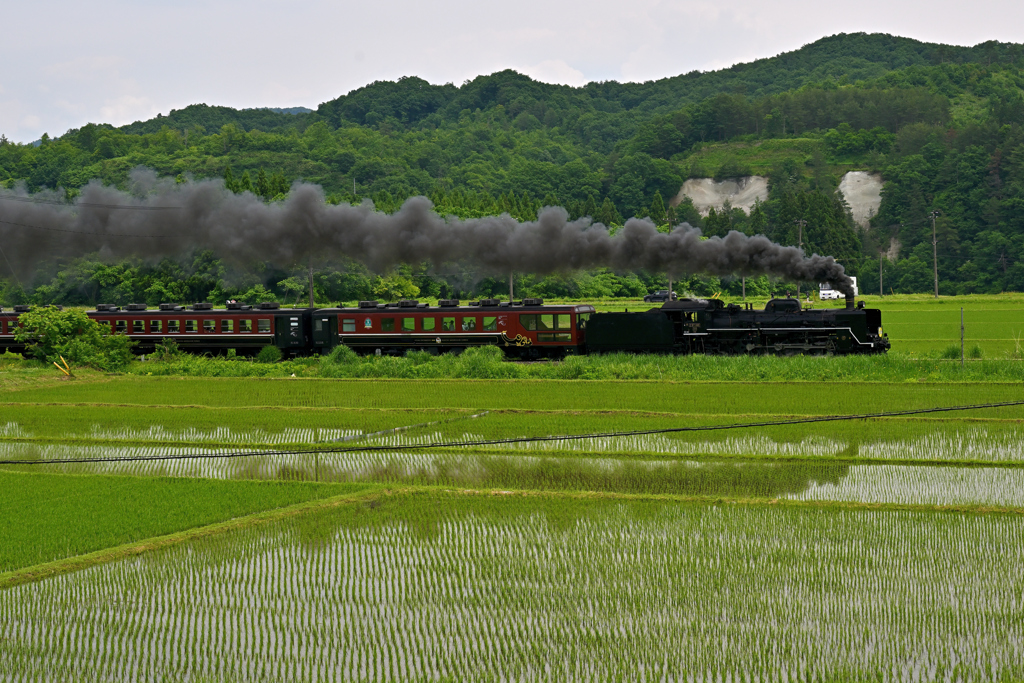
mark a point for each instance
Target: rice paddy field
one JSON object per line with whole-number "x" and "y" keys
{"x": 301, "y": 529}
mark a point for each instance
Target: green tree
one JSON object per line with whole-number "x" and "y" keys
{"x": 229, "y": 180}
{"x": 263, "y": 185}
{"x": 657, "y": 211}
{"x": 50, "y": 333}
{"x": 608, "y": 214}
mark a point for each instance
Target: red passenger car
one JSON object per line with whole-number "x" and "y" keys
{"x": 8, "y": 323}
{"x": 523, "y": 329}
{"x": 201, "y": 327}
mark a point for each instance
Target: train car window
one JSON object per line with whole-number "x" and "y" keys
{"x": 174, "y": 326}
{"x": 387, "y": 324}
{"x": 468, "y": 324}
{"x": 528, "y": 321}
{"x": 191, "y": 325}
{"x": 138, "y": 326}
{"x": 121, "y": 326}
{"x": 490, "y": 323}
{"x": 408, "y": 324}
{"x": 209, "y": 326}
{"x": 447, "y": 324}
{"x": 554, "y": 337}
{"x": 563, "y": 322}
{"x": 545, "y": 322}
{"x": 263, "y": 325}
{"x": 581, "y": 321}
{"x": 156, "y": 326}
{"x": 428, "y": 324}
{"x": 227, "y": 325}
{"x": 348, "y": 325}
{"x": 245, "y": 326}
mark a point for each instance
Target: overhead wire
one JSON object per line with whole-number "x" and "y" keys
{"x": 91, "y": 205}
{"x": 518, "y": 440}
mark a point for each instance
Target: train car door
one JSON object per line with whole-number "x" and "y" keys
{"x": 325, "y": 330}
{"x": 289, "y": 332}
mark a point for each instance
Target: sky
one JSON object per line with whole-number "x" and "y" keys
{"x": 66, "y": 64}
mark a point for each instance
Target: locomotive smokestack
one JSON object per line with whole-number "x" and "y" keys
{"x": 849, "y": 300}
{"x": 161, "y": 218}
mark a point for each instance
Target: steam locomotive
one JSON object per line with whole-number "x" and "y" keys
{"x": 526, "y": 329}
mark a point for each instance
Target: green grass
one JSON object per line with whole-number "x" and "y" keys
{"x": 760, "y": 157}
{"x": 430, "y": 585}
{"x": 757, "y": 397}
{"x": 44, "y": 517}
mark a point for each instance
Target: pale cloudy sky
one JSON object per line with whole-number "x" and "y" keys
{"x": 116, "y": 61}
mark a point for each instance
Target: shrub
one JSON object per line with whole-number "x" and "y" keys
{"x": 975, "y": 352}
{"x": 951, "y": 352}
{"x": 50, "y": 333}
{"x": 166, "y": 349}
{"x": 340, "y": 355}
{"x": 269, "y": 354}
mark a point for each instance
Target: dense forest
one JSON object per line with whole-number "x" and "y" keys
{"x": 942, "y": 124}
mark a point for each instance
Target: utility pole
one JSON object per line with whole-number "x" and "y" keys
{"x": 744, "y": 287}
{"x": 935, "y": 253}
{"x": 880, "y": 289}
{"x": 961, "y": 336}
{"x": 511, "y": 293}
{"x": 801, "y": 224}
{"x": 311, "y": 304}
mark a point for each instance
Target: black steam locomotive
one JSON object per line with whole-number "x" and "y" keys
{"x": 525, "y": 329}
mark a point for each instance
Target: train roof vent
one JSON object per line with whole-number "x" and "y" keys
{"x": 135, "y": 307}
{"x": 533, "y": 302}
{"x": 391, "y": 304}
{"x": 107, "y": 307}
{"x": 21, "y": 308}
{"x": 234, "y": 306}
{"x": 368, "y": 304}
{"x": 269, "y": 305}
{"x": 170, "y": 307}
{"x": 490, "y": 302}
{"x": 408, "y": 303}
{"x": 447, "y": 303}
{"x": 422, "y": 305}
{"x": 202, "y": 306}
{"x": 472, "y": 303}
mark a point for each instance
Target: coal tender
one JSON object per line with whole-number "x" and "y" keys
{"x": 713, "y": 327}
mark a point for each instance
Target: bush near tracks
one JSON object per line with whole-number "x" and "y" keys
{"x": 51, "y": 333}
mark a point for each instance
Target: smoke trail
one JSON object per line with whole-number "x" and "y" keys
{"x": 242, "y": 229}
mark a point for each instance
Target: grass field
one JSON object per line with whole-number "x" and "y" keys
{"x": 45, "y": 517}
{"x": 883, "y": 548}
{"x": 441, "y": 586}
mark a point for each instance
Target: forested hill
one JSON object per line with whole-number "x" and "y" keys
{"x": 838, "y": 59}
{"x": 942, "y": 124}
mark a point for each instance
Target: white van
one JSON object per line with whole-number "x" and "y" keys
{"x": 825, "y": 291}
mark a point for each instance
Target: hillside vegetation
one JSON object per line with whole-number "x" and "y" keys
{"x": 942, "y": 124}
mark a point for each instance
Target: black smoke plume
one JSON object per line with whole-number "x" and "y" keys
{"x": 170, "y": 219}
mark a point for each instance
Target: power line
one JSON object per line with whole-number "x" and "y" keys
{"x": 91, "y": 205}
{"x": 79, "y": 232}
{"x": 517, "y": 440}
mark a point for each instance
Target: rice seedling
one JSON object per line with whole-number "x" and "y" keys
{"x": 446, "y": 587}
{"x": 45, "y": 517}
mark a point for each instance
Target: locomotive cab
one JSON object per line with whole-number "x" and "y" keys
{"x": 782, "y": 306}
